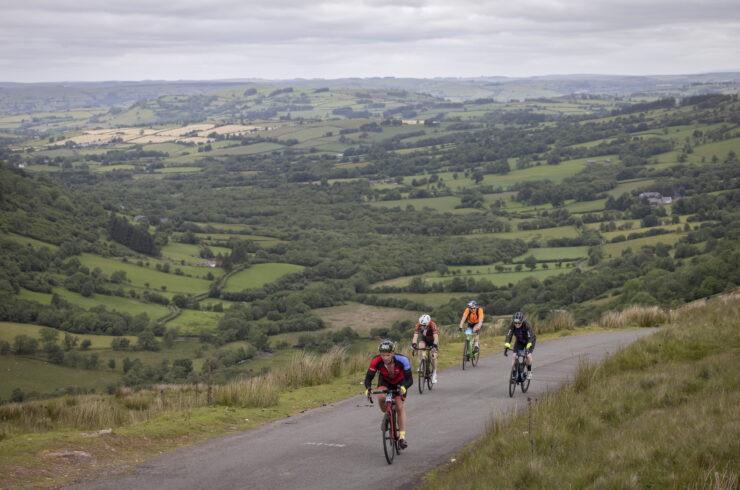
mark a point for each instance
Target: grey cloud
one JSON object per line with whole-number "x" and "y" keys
{"x": 331, "y": 38}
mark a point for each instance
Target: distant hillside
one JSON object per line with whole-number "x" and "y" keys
{"x": 40, "y": 97}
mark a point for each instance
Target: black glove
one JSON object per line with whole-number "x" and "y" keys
{"x": 413, "y": 345}
{"x": 436, "y": 347}
{"x": 506, "y": 350}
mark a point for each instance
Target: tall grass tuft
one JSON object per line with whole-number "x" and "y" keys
{"x": 641, "y": 316}
{"x": 557, "y": 321}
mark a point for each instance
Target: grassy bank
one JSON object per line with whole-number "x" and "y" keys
{"x": 664, "y": 413}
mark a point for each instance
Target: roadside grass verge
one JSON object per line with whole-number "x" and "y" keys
{"x": 661, "y": 413}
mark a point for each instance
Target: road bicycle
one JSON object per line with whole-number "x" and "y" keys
{"x": 425, "y": 367}
{"x": 389, "y": 425}
{"x": 470, "y": 352}
{"x": 519, "y": 373}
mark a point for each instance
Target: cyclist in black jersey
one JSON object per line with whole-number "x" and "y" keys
{"x": 525, "y": 339}
{"x": 394, "y": 373}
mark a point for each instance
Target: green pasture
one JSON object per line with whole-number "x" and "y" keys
{"x": 222, "y": 238}
{"x": 309, "y": 134}
{"x": 585, "y": 206}
{"x": 24, "y": 240}
{"x": 553, "y": 173}
{"x": 124, "y": 304}
{"x": 555, "y": 253}
{"x": 215, "y": 301}
{"x": 179, "y": 252}
{"x": 242, "y": 150}
{"x": 34, "y": 375}
{"x": 141, "y": 276}
{"x": 628, "y": 186}
{"x": 479, "y": 272}
{"x": 8, "y": 331}
{"x": 112, "y": 168}
{"x": 177, "y": 170}
{"x": 192, "y": 322}
{"x": 258, "y": 275}
{"x": 498, "y": 279}
{"x": 540, "y": 236}
{"x": 616, "y": 249}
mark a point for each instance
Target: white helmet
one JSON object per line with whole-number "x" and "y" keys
{"x": 424, "y": 320}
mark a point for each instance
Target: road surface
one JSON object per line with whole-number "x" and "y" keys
{"x": 339, "y": 445}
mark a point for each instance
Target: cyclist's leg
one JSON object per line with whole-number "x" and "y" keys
{"x": 517, "y": 347}
{"x": 382, "y": 386}
{"x": 401, "y": 414}
{"x": 477, "y": 334}
{"x": 422, "y": 344}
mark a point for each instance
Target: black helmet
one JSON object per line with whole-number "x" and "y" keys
{"x": 386, "y": 347}
{"x": 472, "y": 304}
{"x": 518, "y": 317}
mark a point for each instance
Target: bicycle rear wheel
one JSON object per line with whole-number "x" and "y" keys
{"x": 396, "y": 442}
{"x": 422, "y": 373}
{"x": 388, "y": 441}
{"x": 465, "y": 353}
{"x": 512, "y": 381}
{"x": 474, "y": 357}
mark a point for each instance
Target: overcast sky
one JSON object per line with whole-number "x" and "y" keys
{"x": 73, "y": 40}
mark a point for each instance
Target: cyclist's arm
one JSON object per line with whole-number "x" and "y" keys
{"x": 408, "y": 378}
{"x": 370, "y": 373}
{"x": 509, "y": 334}
{"x": 532, "y": 336}
{"x": 464, "y": 317}
{"x": 416, "y": 337}
{"x": 480, "y": 320}
{"x": 436, "y": 339}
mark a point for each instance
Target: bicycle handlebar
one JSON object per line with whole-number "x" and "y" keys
{"x": 383, "y": 392}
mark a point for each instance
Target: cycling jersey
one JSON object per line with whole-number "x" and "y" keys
{"x": 524, "y": 334}
{"x": 399, "y": 373}
{"x": 473, "y": 317}
{"x": 427, "y": 333}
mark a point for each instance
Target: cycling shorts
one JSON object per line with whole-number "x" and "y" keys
{"x": 383, "y": 382}
{"x": 518, "y": 345}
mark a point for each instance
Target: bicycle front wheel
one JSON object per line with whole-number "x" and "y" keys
{"x": 512, "y": 381}
{"x": 429, "y": 375}
{"x": 465, "y": 353}
{"x": 475, "y": 356}
{"x": 388, "y": 440}
{"x": 422, "y": 373}
{"x": 525, "y": 383}
{"x": 396, "y": 444}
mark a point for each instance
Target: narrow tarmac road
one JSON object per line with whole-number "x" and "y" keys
{"x": 339, "y": 446}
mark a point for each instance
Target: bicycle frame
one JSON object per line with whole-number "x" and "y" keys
{"x": 468, "y": 354}
{"x": 391, "y": 444}
{"x": 425, "y": 375}
{"x": 518, "y": 373}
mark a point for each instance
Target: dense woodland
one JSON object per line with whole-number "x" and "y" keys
{"x": 329, "y": 217}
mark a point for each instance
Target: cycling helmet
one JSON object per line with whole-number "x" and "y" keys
{"x": 424, "y": 320}
{"x": 386, "y": 347}
{"x": 472, "y": 304}
{"x": 518, "y": 317}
